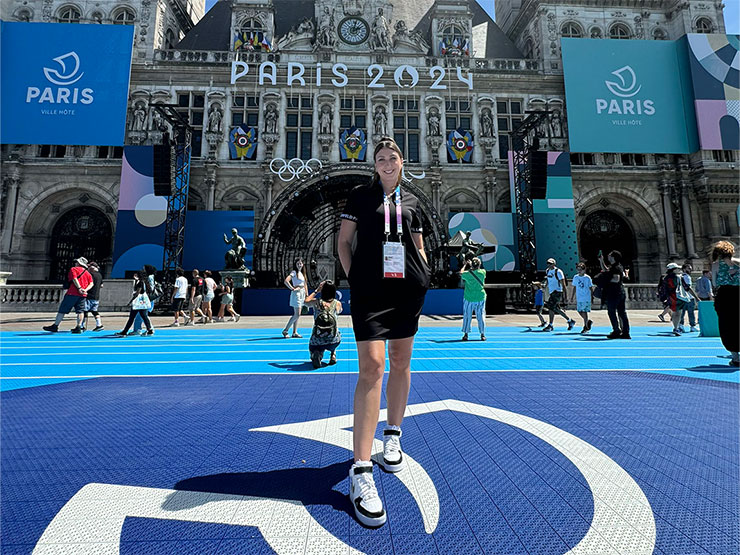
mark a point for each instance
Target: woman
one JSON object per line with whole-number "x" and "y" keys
{"x": 726, "y": 277}
{"x": 140, "y": 304}
{"x": 209, "y": 295}
{"x": 227, "y": 300}
{"x": 389, "y": 276}
{"x": 148, "y": 271}
{"x": 325, "y": 335}
{"x": 296, "y": 282}
{"x": 615, "y": 295}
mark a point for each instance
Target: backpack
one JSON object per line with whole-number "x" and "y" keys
{"x": 662, "y": 289}
{"x": 325, "y": 323}
{"x": 157, "y": 292}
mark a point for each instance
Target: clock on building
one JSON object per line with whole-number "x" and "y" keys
{"x": 354, "y": 30}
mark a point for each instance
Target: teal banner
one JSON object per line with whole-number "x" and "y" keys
{"x": 629, "y": 96}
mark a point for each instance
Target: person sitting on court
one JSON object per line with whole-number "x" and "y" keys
{"x": 325, "y": 335}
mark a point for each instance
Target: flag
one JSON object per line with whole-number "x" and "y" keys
{"x": 442, "y": 47}
{"x": 238, "y": 41}
{"x": 243, "y": 142}
{"x": 460, "y": 145}
{"x": 353, "y": 144}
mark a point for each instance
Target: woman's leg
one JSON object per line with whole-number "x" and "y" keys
{"x": 145, "y": 318}
{"x": 371, "y": 355}
{"x": 221, "y": 311}
{"x": 622, "y": 310}
{"x": 296, "y": 316}
{"x": 467, "y": 316}
{"x": 131, "y": 317}
{"x": 399, "y": 379}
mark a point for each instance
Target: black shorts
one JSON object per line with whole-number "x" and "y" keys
{"x": 177, "y": 305}
{"x": 386, "y": 317}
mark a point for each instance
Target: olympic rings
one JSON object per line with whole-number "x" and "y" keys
{"x": 295, "y": 167}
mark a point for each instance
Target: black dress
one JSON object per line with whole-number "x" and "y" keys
{"x": 384, "y": 308}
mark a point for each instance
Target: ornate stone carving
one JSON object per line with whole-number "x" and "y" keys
{"x": 352, "y": 7}
{"x": 216, "y": 119}
{"x": 380, "y": 34}
{"x": 325, "y": 120}
{"x": 486, "y": 123}
{"x": 271, "y": 119}
{"x": 326, "y": 36}
{"x": 380, "y": 122}
{"x": 433, "y": 120}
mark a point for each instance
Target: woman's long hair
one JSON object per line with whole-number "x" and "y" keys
{"x": 387, "y": 142}
{"x": 295, "y": 264}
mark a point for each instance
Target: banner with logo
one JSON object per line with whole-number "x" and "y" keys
{"x": 629, "y": 96}
{"x": 715, "y": 73}
{"x": 64, "y": 83}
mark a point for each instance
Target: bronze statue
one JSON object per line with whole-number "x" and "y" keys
{"x": 469, "y": 250}
{"x": 234, "y": 257}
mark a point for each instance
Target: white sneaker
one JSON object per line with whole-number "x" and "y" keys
{"x": 364, "y": 495}
{"x": 392, "y": 455}
{"x": 175, "y": 324}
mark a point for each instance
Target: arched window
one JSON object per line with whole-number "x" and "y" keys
{"x": 170, "y": 39}
{"x": 23, "y": 15}
{"x": 703, "y": 25}
{"x": 69, "y": 14}
{"x": 96, "y": 17}
{"x": 660, "y": 34}
{"x": 596, "y": 33}
{"x": 125, "y": 16}
{"x": 450, "y": 33}
{"x": 250, "y": 36}
{"x": 619, "y": 31}
{"x": 529, "y": 49}
{"x": 571, "y": 30}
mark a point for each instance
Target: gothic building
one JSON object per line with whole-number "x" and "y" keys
{"x": 263, "y": 82}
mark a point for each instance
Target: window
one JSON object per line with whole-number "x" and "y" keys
{"x": 571, "y": 30}
{"x": 299, "y": 127}
{"x": 170, "y": 39}
{"x": 251, "y": 37}
{"x": 52, "y": 151}
{"x": 724, "y": 225}
{"x": 619, "y": 31}
{"x": 69, "y": 14}
{"x": 660, "y": 34}
{"x": 23, "y": 15}
{"x": 582, "y": 159}
{"x": 596, "y": 33}
{"x": 406, "y": 127}
{"x": 353, "y": 113}
{"x": 191, "y": 108}
{"x": 703, "y": 25}
{"x": 509, "y": 116}
{"x": 245, "y": 109}
{"x": 529, "y": 49}
{"x": 454, "y": 41}
{"x": 124, "y": 17}
{"x": 458, "y": 114}
{"x": 723, "y": 155}
{"x": 110, "y": 152}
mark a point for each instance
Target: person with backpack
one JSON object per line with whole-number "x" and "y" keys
{"x": 80, "y": 282}
{"x": 141, "y": 304}
{"x": 556, "y": 285}
{"x": 325, "y": 335}
{"x": 474, "y": 297}
{"x": 679, "y": 297}
{"x": 690, "y": 308}
{"x": 92, "y": 302}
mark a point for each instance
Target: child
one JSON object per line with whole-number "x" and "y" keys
{"x": 539, "y": 301}
{"x": 583, "y": 286}
{"x": 325, "y": 335}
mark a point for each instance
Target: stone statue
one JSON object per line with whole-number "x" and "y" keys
{"x": 271, "y": 117}
{"x": 325, "y": 120}
{"x": 139, "y": 122}
{"x": 469, "y": 250}
{"x": 306, "y": 27}
{"x": 556, "y": 124}
{"x": 326, "y": 37}
{"x": 433, "y": 122}
{"x": 380, "y": 34}
{"x": 215, "y": 120}
{"x": 486, "y": 123}
{"x": 380, "y": 120}
{"x": 234, "y": 257}
{"x": 402, "y": 32}
{"x": 418, "y": 39}
{"x": 157, "y": 121}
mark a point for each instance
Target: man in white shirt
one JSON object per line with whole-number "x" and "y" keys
{"x": 179, "y": 294}
{"x": 556, "y": 285}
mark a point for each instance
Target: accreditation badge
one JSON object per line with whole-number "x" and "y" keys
{"x": 394, "y": 260}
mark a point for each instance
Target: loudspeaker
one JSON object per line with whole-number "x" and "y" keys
{"x": 538, "y": 174}
{"x": 162, "y": 171}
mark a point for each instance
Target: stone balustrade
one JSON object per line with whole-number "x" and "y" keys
{"x": 117, "y": 292}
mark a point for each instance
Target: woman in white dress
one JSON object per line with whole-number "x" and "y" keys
{"x": 296, "y": 282}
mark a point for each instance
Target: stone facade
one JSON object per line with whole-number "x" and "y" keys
{"x": 672, "y": 207}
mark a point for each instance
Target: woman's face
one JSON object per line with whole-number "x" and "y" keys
{"x": 299, "y": 265}
{"x": 611, "y": 259}
{"x": 388, "y": 164}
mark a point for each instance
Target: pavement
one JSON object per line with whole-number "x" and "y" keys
{"x": 222, "y": 438}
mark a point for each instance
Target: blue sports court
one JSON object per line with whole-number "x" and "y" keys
{"x": 227, "y": 441}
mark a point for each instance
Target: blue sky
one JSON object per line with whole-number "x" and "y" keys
{"x": 732, "y": 13}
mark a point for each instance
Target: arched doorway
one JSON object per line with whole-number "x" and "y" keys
{"x": 605, "y": 231}
{"x": 304, "y": 222}
{"x": 83, "y": 231}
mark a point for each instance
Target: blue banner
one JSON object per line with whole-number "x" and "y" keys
{"x": 629, "y": 96}
{"x": 65, "y": 83}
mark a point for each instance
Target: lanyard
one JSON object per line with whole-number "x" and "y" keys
{"x": 399, "y": 214}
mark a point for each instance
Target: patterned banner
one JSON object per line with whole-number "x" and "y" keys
{"x": 243, "y": 142}
{"x": 460, "y": 145}
{"x": 353, "y": 144}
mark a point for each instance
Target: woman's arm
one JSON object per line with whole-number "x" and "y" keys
{"x": 418, "y": 239}
{"x": 288, "y": 281}
{"x": 346, "y": 235}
